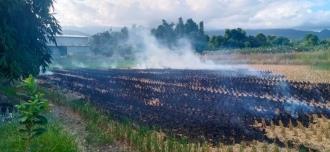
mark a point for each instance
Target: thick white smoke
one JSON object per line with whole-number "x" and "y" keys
{"x": 147, "y": 53}
{"x": 153, "y": 55}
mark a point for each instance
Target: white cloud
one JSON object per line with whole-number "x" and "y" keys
{"x": 215, "y": 13}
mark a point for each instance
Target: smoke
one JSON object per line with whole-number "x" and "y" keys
{"x": 90, "y": 60}
{"x": 146, "y": 53}
{"x": 154, "y": 55}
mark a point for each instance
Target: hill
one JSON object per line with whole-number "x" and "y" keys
{"x": 289, "y": 33}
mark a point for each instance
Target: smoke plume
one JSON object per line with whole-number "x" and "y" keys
{"x": 147, "y": 53}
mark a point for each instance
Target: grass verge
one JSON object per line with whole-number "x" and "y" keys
{"x": 54, "y": 140}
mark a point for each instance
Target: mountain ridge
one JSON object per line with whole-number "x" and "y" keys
{"x": 294, "y": 34}
{"x": 289, "y": 33}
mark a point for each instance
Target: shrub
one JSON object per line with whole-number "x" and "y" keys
{"x": 32, "y": 122}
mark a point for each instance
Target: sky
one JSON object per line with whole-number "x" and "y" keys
{"x": 216, "y": 14}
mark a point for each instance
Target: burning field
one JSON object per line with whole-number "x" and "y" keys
{"x": 217, "y": 105}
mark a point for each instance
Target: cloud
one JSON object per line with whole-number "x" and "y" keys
{"x": 217, "y": 14}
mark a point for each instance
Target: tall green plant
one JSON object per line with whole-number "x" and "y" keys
{"x": 33, "y": 123}
{"x": 26, "y": 26}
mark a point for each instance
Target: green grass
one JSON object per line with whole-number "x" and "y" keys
{"x": 54, "y": 140}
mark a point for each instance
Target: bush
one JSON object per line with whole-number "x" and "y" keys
{"x": 32, "y": 123}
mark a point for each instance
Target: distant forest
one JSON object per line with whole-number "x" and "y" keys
{"x": 170, "y": 35}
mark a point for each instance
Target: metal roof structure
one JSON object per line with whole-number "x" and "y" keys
{"x": 71, "y": 41}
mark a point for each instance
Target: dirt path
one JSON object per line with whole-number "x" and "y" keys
{"x": 74, "y": 124}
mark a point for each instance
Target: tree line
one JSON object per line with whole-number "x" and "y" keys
{"x": 237, "y": 38}
{"x": 171, "y": 34}
{"x": 167, "y": 34}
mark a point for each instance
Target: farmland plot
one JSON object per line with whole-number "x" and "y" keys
{"x": 213, "y": 104}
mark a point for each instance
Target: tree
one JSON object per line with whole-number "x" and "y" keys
{"x": 252, "y": 42}
{"x": 216, "y": 42}
{"x": 124, "y": 33}
{"x": 262, "y": 39}
{"x": 311, "y": 40}
{"x": 196, "y": 35}
{"x": 111, "y": 42}
{"x": 165, "y": 33}
{"x": 201, "y": 27}
{"x": 235, "y": 38}
{"x": 281, "y": 41}
{"x": 26, "y": 26}
{"x": 325, "y": 43}
{"x": 169, "y": 34}
{"x": 179, "y": 28}
{"x": 190, "y": 26}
